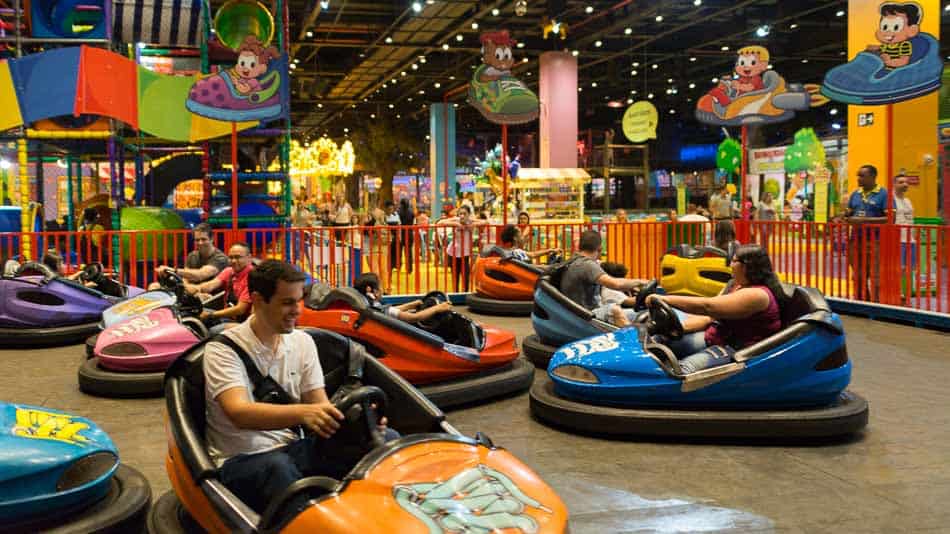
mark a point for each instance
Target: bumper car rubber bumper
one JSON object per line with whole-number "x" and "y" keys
{"x": 846, "y": 416}
{"x": 44, "y": 337}
{"x": 101, "y": 382}
{"x": 537, "y": 351}
{"x": 514, "y": 377}
{"x": 123, "y": 509}
{"x": 489, "y": 306}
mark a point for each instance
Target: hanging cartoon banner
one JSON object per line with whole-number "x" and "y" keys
{"x": 640, "y": 121}
{"x": 753, "y": 94}
{"x": 254, "y": 89}
{"x": 905, "y": 62}
{"x": 494, "y": 91}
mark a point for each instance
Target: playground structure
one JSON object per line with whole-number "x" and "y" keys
{"x": 80, "y": 103}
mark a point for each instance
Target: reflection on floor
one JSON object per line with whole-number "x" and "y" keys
{"x": 894, "y": 478}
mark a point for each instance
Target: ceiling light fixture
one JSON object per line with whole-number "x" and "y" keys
{"x": 724, "y": 48}
{"x": 763, "y": 30}
{"x": 628, "y": 31}
{"x": 445, "y": 46}
{"x": 474, "y": 25}
{"x": 389, "y": 40}
{"x": 325, "y": 4}
{"x": 692, "y": 59}
{"x": 659, "y": 18}
{"x": 417, "y": 7}
{"x": 520, "y": 45}
{"x": 309, "y": 34}
{"x": 459, "y": 37}
{"x": 840, "y": 13}
{"x": 697, "y": 3}
{"x": 495, "y": 12}
{"x": 589, "y": 9}
{"x": 574, "y": 53}
{"x": 598, "y": 43}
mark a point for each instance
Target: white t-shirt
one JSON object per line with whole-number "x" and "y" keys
{"x": 904, "y": 214}
{"x": 692, "y": 217}
{"x": 295, "y": 367}
{"x": 611, "y": 296}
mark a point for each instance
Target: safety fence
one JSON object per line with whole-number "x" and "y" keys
{"x": 898, "y": 265}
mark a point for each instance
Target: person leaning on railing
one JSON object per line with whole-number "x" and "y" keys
{"x": 867, "y": 205}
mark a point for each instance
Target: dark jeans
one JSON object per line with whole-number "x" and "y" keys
{"x": 461, "y": 268}
{"x": 258, "y": 478}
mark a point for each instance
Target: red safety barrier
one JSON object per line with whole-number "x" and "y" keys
{"x": 889, "y": 264}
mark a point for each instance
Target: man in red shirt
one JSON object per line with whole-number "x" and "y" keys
{"x": 233, "y": 281}
{"x": 751, "y": 63}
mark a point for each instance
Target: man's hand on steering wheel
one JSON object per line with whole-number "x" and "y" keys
{"x": 322, "y": 419}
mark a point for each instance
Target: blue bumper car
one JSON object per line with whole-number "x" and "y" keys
{"x": 557, "y": 320}
{"x": 61, "y": 472}
{"x": 866, "y": 80}
{"x": 791, "y": 384}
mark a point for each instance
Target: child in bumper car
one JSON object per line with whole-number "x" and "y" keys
{"x": 368, "y": 284}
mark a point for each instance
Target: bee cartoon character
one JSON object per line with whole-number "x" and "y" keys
{"x": 251, "y": 65}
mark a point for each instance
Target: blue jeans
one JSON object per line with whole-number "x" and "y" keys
{"x": 258, "y": 478}
{"x": 697, "y": 355}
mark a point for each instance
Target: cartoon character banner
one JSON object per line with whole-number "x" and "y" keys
{"x": 904, "y": 63}
{"x": 254, "y": 89}
{"x": 494, "y": 91}
{"x": 752, "y": 94}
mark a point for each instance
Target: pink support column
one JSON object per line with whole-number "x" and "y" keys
{"x": 558, "y": 128}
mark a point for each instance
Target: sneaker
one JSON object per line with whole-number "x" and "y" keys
{"x": 504, "y": 101}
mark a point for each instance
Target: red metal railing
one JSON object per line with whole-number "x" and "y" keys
{"x": 899, "y": 265}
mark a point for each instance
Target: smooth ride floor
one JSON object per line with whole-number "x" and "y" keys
{"x": 893, "y": 478}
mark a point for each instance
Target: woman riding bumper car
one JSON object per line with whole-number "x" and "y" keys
{"x": 432, "y": 479}
{"x": 762, "y": 360}
{"x": 61, "y": 473}
{"x": 452, "y": 359}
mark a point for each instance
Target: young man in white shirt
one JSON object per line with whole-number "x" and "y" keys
{"x": 253, "y": 442}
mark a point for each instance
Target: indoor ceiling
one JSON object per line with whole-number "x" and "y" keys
{"x": 357, "y": 60}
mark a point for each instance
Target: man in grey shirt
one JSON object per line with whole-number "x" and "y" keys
{"x": 203, "y": 263}
{"x": 581, "y": 283}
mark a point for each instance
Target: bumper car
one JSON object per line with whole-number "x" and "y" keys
{"x": 557, "y": 320}
{"x": 776, "y": 102}
{"x": 432, "y": 479}
{"x": 503, "y": 285}
{"x": 866, "y": 80}
{"x": 38, "y": 307}
{"x": 695, "y": 271}
{"x": 130, "y": 356}
{"x": 789, "y": 385}
{"x": 452, "y": 359}
{"x": 61, "y": 473}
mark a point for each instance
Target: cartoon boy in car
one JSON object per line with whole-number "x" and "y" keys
{"x": 899, "y": 34}
{"x": 752, "y": 62}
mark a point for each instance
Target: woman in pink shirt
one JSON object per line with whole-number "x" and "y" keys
{"x": 745, "y": 313}
{"x": 459, "y": 251}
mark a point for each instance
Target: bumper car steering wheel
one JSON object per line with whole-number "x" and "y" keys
{"x": 645, "y": 291}
{"x": 431, "y": 299}
{"x": 92, "y": 272}
{"x": 663, "y": 320}
{"x": 357, "y": 407}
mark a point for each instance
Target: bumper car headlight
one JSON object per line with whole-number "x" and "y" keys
{"x": 124, "y": 348}
{"x": 85, "y": 470}
{"x": 575, "y": 373}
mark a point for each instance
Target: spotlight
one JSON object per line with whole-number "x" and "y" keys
{"x": 417, "y": 7}
{"x": 834, "y": 111}
{"x": 389, "y": 40}
{"x": 659, "y": 18}
{"x": 589, "y": 9}
{"x": 692, "y": 59}
{"x": 697, "y": 3}
{"x": 792, "y": 26}
{"x": 445, "y": 46}
{"x": 495, "y": 12}
{"x": 574, "y": 53}
{"x": 633, "y": 72}
{"x": 763, "y": 30}
{"x": 459, "y": 37}
{"x": 593, "y": 84}
{"x": 325, "y": 4}
{"x": 598, "y": 43}
{"x": 836, "y": 126}
{"x": 724, "y": 48}
{"x": 474, "y": 25}
{"x": 521, "y": 7}
{"x": 520, "y": 45}
{"x": 309, "y": 34}
{"x": 437, "y": 85}
{"x": 628, "y": 31}
{"x": 840, "y": 12}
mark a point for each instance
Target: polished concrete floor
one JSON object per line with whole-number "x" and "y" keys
{"x": 893, "y": 478}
